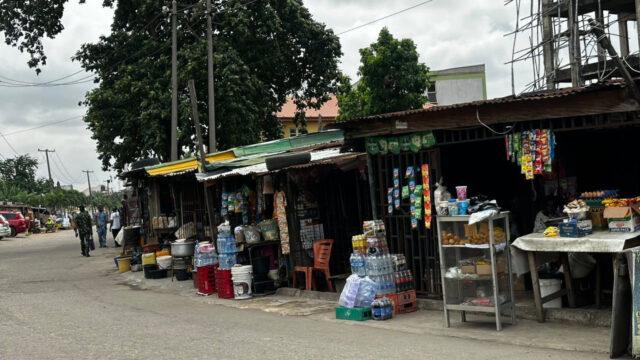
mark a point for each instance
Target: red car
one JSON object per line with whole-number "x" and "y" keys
{"x": 17, "y": 222}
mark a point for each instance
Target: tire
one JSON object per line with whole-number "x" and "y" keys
{"x": 14, "y": 233}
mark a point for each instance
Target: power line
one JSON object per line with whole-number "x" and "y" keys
{"x": 67, "y": 173}
{"x": 43, "y": 125}
{"x": 8, "y": 143}
{"x": 383, "y": 18}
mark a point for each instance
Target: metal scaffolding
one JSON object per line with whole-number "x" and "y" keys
{"x": 555, "y": 39}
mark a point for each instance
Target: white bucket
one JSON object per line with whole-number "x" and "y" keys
{"x": 242, "y": 277}
{"x": 547, "y": 287}
{"x": 164, "y": 262}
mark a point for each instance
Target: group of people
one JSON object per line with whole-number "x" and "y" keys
{"x": 83, "y": 227}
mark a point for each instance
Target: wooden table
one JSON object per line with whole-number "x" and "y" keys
{"x": 598, "y": 242}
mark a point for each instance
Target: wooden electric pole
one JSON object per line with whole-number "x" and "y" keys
{"x": 89, "y": 181}
{"x": 203, "y": 160}
{"x": 174, "y": 80}
{"x": 46, "y": 153}
{"x": 210, "y": 86}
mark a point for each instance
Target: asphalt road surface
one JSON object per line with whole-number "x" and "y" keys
{"x": 56, "y": 304}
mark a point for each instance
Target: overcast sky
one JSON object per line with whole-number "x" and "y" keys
{"x": 475, "y": 35}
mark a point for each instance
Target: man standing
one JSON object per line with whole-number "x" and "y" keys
{"x": 101, "y": 222}
{"x": 115, "y": 224}
{"x": 83, "y": 228}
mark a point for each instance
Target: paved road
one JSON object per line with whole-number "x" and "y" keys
{"x": 56, "y": 304}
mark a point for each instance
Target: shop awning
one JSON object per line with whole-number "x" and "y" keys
{"x": 187, "y": 165}
{"x": 249, "y": 154}
{"x": 318, "y": 157}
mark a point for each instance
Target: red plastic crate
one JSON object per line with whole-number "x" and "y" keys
{"x": 403, "y": 302}
{"x": 406, "y": 302}
{"x": 206, "y": 280}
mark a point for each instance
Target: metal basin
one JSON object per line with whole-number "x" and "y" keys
{"x": 182, "y": 248}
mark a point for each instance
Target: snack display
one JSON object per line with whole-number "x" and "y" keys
{"x": 552, "y": 231}
{"x": 576, "y": 209}
{"x": 621, "y": 202}
{"x": 533, "y": 151}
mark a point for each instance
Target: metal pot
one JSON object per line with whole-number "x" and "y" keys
{"x": 182, "y": 248}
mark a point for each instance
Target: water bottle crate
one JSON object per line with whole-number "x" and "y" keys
{"x": 403, "y": 302}
{"x": 354, "y": 314}
{"x": 406, "y": 302}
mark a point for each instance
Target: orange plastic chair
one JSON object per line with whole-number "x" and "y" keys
{"x": 321, "y": 260}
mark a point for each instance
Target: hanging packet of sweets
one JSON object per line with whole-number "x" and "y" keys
{"x": 393, "y": 145}
{"x": 382, "y": 146}
{"x": 372, "y": 146}
{"x": 426, "y": 191}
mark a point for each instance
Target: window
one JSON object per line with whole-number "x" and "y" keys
{"x": 293, "y": 132}
{"x": 431, "y": 93}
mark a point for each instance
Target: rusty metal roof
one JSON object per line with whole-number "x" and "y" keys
{"x": 526, "y": 97}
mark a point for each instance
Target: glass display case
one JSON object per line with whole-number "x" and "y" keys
{"x": 476, "y": 266}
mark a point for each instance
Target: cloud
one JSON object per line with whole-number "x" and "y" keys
{"x": 448, "y": 33}
{"x": 22, "y": 108}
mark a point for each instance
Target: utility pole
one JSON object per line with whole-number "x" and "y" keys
{"x": 203, "y": 160}
{"x": 89, "y": 181}
{"x": 210, "y": 87}
{"x": 46, "y": 153}
{"x": 174, "y": 81}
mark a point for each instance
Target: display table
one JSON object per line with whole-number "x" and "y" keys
{"x": 599, "y": 242}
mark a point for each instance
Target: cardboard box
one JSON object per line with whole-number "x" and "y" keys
{"x": 576, "y": 229}
{"x": 483, "y": 269}
{"x": 623, "y": 219}
{"x": 468, "y": 269}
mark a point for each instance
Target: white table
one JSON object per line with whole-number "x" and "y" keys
{"x": 598, "y": 242}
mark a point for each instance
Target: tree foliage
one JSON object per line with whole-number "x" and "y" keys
{"x": 265, "y": 50}
{"x": 20, "y": 171}
{"x": 391, "y": 79}
{"x": 18, "y": 183}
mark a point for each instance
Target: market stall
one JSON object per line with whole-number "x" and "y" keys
{"x": 292, "y": 200}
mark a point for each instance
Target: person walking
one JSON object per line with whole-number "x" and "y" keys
{"x": 101, "y": 222}
{"x": 83, "y": 229}
{"x": 115, "y": 224}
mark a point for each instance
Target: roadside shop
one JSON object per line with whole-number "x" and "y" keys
{"x": 531, "y": 153}
{"x": 299, "y": 208}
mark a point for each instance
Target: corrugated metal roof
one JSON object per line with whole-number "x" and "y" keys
{"x": 183, "y": 166}
{"x": 527, "y": 97}
{"x": 318, "y": 157}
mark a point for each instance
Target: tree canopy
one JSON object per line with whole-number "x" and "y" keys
{"x": 18, "y": 183}
{"x": 265, "y": 50}
{"x": 391, "y": 79}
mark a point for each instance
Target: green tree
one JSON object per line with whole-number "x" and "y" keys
{"x": 20, "y": 172}
{"x": 265, "y": 50}
{"x": 391, "y": 79}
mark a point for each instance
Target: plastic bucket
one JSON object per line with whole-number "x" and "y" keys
{"x": 149, "y": 259}
{"x": 548, "y": 287}
{"x": 124, "y": 264}
{"x": 164, "y": 262}
{"x": 242, "y": 277}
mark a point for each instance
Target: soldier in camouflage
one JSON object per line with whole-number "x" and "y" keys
{"x": 83, "y": 228}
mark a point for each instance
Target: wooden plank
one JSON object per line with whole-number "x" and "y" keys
{"x": 568, "y": 279}
{"x": 535, "y": 282}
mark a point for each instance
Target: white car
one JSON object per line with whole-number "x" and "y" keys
{"x": 5, "y": 229}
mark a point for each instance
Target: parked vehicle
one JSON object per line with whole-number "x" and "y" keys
{"x": 17, "y": 222}
{"x": 63, "y": 222}
{"x": 5, "y": 229}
